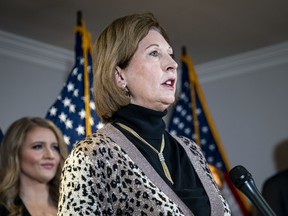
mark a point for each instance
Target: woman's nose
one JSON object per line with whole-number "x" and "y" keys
{"x": 49, "y": 153}
{"x": 170, "y": 64}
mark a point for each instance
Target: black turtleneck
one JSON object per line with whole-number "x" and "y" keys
{"x": 149, "y": 124}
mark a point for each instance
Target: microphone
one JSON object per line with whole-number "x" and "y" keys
{"x": 243, "y": 180}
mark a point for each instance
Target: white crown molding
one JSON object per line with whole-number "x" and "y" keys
{"x": 252, "y": 61}
{"x": 22, "y": 48}
{"x": 17, "y": 47}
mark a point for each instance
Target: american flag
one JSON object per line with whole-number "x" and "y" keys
{"x": 74, "y": 110}
{"x": 190, "y": 118}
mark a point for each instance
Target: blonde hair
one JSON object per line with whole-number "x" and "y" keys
{"x": 115, "y": 47}
{"x": 10, "y": 162}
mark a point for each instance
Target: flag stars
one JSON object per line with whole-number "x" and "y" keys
{"x": 186, "y": 85}
{"x": 66, "y": 102}
{"x": 181, "y": 125}
{"x": 91, "y": 120}
{"x": 70, "y": 87}
{"x": 198, "y": 111}
{"x": 79, "y": 77}
{"x": 66, "y": 139}
{"x": 176, "y": 120}
{"x": 210, "y": 160}
{"x": 189, "y": 118}
{"x": 203, "y": 142}
{"x": 186, "y": 100}
{"x": 92, "y": 105}
{"x": 187, "y": 131}
{"x": 205, "y": 129}
{"x": 75, "y": 71}
{"x": 72, "y": 108}
{"x": 80, "y": 130}
{"x": 179, "y": 108}
{"x": 68, "y": 124}
{"x": 53, "y": 111}
{"x": 212, "y": 147}
{"x": 183, "y": 96}
{"x": 81, "y": 61}
{"x": 194, "y": 136}
{"x": 76, "y": 93}
{"x": 219, "y": 165}
{"x": 62, "y": 117}
{"x": 82, "y": 114}
{"x": 183, "y": 112}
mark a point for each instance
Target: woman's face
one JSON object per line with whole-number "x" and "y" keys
{"x": 152, "y": 73}
{"x": 39, "y": 156}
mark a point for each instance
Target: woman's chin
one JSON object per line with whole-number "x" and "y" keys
{"x": 168, "y": 103}
{"x": 170, "y": 100}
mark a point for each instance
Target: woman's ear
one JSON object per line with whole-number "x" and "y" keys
{"x": 118, "y": 77}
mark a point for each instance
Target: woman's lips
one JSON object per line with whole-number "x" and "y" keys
{"x": 169, "y": 83}
{"x": 48, "y": 165}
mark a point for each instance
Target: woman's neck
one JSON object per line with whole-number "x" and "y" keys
{"x": 147, "y": 123}
{"x": 37, "y": 199}
{"x": 34, "y": 193}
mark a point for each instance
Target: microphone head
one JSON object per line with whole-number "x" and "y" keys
{"x": 239, "y": 175}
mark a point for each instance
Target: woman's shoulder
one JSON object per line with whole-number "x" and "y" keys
{"x": 98, "y": 144}
{"x": 99, "y": 139}
{"x": 191, "y": 148}
{"x": 186, "y": 142}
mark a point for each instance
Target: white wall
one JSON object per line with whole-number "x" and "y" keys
{"x": 247, "y": 98}
{"x": 31, "y": 77}
{"x": 246, "y": 95}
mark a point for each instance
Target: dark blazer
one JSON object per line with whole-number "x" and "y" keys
{"x": 275, "y": 192}
{"x": 5, "y": 212}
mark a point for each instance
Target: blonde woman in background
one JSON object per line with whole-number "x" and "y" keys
{"x": 32, "y": 154}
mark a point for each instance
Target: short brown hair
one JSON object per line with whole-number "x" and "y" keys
{"x": 116, "y": 46}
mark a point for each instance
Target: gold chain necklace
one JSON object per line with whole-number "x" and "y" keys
{"x": 160, "y": 154}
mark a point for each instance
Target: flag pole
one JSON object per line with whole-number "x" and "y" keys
{"x": 86, "y": 45}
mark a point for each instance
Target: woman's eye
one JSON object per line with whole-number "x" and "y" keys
{"x": 56, "y": 148}
{"x": 172, "y": 56}
{"x": 39, "y": 146}
{"x": 154, "y": 53}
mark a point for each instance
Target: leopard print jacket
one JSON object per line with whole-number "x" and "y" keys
{"x": 105, "y": 174}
